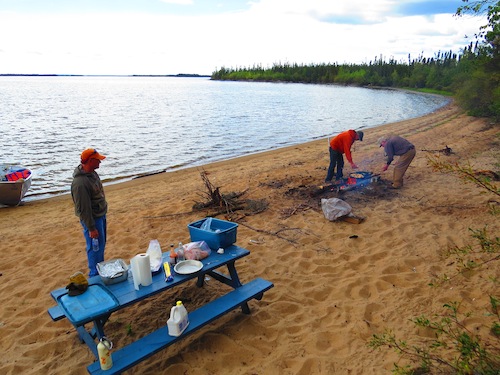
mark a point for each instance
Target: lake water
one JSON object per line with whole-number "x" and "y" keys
{"x": 153, "y": 124}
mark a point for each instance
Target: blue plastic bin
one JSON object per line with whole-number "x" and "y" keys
{"x": 221, "y": 234}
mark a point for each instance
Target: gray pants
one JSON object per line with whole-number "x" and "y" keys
{"x": 401, "y": 166}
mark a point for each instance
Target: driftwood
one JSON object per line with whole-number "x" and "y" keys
{"x": 226, "y": 203}
{"x": 214, "y": 198}
{"x": 213, "y": 195}
{"x": 168, "y": 215}
{"x": 447, "y": 151}
{"x": 287, "y": 212}
{"x": 353, "y": 219}
{"x": 275, "y": 233}
{"x": 216, "y": 203}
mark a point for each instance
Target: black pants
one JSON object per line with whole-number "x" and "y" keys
{"x": 336, "y": 160}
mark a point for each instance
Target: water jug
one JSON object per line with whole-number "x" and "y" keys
{"x": 178, "y": 320}
{"x": 103, "y": 350}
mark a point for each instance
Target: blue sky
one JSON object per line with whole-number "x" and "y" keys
{"x": 201, "y": 36}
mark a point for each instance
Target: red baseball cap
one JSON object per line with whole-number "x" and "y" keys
{"x": 91, "y": 153}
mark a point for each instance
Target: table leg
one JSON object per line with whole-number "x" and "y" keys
{"x": 87, "y": 338}
{"x": 236, "y": 283}
{"x": 233, "y": 281}
{"x": 200, "y": 281}
{"x": 96, "y": 333}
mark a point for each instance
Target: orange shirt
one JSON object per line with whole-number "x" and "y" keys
{"x": 342, "y": 143}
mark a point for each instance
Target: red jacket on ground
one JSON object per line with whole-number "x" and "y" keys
{"x": 342, "y": 143}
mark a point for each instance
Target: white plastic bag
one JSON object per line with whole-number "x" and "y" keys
{"x": 154, "y": 252}
{"x": 333, "y": 208}
{"x": 206, "y": 225}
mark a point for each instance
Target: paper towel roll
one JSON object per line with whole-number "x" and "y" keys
{"x": 145, "y": 269}
{"x": 141, "y": 270}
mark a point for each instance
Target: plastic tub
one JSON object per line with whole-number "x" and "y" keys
{"x": 221, "y": 234}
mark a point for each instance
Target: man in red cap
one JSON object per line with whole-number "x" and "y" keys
{"x": 340, "y": 145}
{"x": 90, "y": 206}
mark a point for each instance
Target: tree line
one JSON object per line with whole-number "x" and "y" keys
{"x": 472, "y": 76}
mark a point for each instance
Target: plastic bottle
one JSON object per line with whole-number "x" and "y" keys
{"x": 180, "y": 252}
{"x": 178, "y": 320}
{"x": 95, "y": 244}
{"x": 173, "y": 256}
{"x": 103, "y": 350}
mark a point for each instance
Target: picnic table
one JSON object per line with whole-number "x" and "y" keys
{"x": 90, "y": 311}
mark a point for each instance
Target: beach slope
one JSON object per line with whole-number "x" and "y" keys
{"x": 336, "y": 283}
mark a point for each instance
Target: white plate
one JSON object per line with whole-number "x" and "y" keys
{"x": 188, "y": 266}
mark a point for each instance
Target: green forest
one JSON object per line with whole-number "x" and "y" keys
{"x": 471, "y": 76}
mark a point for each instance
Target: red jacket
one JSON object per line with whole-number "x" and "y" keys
{"x": 342, "y": 143}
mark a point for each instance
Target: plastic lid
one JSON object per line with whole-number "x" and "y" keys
{"x": 179, "y": 303}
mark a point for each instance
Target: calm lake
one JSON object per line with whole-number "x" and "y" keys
{"x": 152, "y": 124}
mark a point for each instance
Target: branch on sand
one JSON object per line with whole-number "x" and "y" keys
{"x": 213, "y": 196}
{"x": 217, "y": 203}
{"x": 277, "y": 233}
{"x": 226, "y": 203}
{"x": 446, "y": 151}
{"x": 467, "y": 173}
{"x": 168, "y": 215}
{"x": 290, "y": 211}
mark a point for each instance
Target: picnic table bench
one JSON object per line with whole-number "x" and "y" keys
{"x": 106, "y": 299}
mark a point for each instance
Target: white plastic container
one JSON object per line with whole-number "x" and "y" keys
{"x": 103, "y": 351}
{"x": 178, "y": 320}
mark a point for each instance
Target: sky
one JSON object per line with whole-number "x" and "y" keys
{"x": 163, "y": 37}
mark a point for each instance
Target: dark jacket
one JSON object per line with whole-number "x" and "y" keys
{"x": 88, "y": 196}
{"x": 396, "y": 145}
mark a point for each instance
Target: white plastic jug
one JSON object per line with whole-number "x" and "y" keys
{"x": 178, "y": 320}
{"x": 103, "y": 351}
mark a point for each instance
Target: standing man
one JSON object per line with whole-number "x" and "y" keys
{"x": 90, "y": 205}
{"x": 396, "y": 145}
{"x": 340, "y": 145}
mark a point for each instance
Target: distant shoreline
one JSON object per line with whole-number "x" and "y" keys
{"x": 181, "y": 75}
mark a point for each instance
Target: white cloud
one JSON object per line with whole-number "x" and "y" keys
{"x": 268, "y": 32}
{"x": 357, "y": 11}
{"x": 179, "y": 2}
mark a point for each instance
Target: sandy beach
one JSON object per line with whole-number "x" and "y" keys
{"x": 335, "y": 283}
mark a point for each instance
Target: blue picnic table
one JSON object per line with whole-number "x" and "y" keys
{"x": 94, "y": 307}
